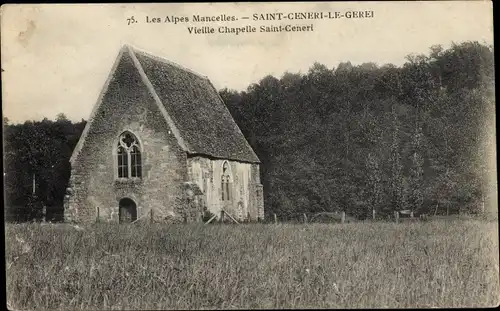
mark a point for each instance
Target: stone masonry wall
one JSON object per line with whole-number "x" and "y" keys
{"x": 94, "y": 186}
{"x": 246, "y": 200}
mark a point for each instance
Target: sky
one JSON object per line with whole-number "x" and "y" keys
{"x": 56, "y": 58}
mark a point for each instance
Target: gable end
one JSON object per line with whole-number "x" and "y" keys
{"x": 149, "y": 86}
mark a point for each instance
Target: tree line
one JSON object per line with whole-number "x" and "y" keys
{"x": 358, "y": 138}
{"x": 351, "y": 138}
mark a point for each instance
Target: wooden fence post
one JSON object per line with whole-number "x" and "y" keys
{"x": 373, "y": 214}
{"x": 152, "y": 215}
{"x": 275, "y": 219}
{"x": 343, "y": 217}
{"x": 411, "y": 214}
{"x": 97, "y": 211}
{"x": 222, "y": 216}
{"x": 396, "y": 215}
{"x": 305, "y": 218}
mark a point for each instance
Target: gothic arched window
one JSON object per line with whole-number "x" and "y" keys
{"x": 226, "y": 181}
{"x": 129, "y": 156}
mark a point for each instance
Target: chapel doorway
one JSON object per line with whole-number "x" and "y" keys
{"x": 127, "y": 210}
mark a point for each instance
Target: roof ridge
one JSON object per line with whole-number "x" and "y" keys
{"x": 191, "y": 103}
{"x": 164, "y": 60}
{"x": 153, "y": 93}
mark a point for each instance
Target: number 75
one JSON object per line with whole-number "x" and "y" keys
{"x": 131, "y": 20}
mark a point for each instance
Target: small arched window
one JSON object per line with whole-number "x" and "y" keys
{"x": 226, "y": 182}
{"x": 129, "y": 156}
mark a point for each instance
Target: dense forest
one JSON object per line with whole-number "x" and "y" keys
{"x": 353, "y": 138}
{"x": 36, "y": 157}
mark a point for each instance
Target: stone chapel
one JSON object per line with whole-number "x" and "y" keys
{"x": 161, "y": 143}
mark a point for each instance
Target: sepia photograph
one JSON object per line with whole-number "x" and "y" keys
{"x": 279, "y": 155}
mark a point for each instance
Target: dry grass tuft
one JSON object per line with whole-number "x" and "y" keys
{"x": 372, "y": 265}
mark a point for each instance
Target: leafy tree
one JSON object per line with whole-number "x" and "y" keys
{"x": 61, "y": 117}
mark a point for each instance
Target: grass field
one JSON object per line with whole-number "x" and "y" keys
{"x": 433, "y": 264}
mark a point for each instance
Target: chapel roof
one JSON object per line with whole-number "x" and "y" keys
{"x": 193, "y": 107}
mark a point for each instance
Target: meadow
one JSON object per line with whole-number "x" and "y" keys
{"x": 153, "y": 266}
